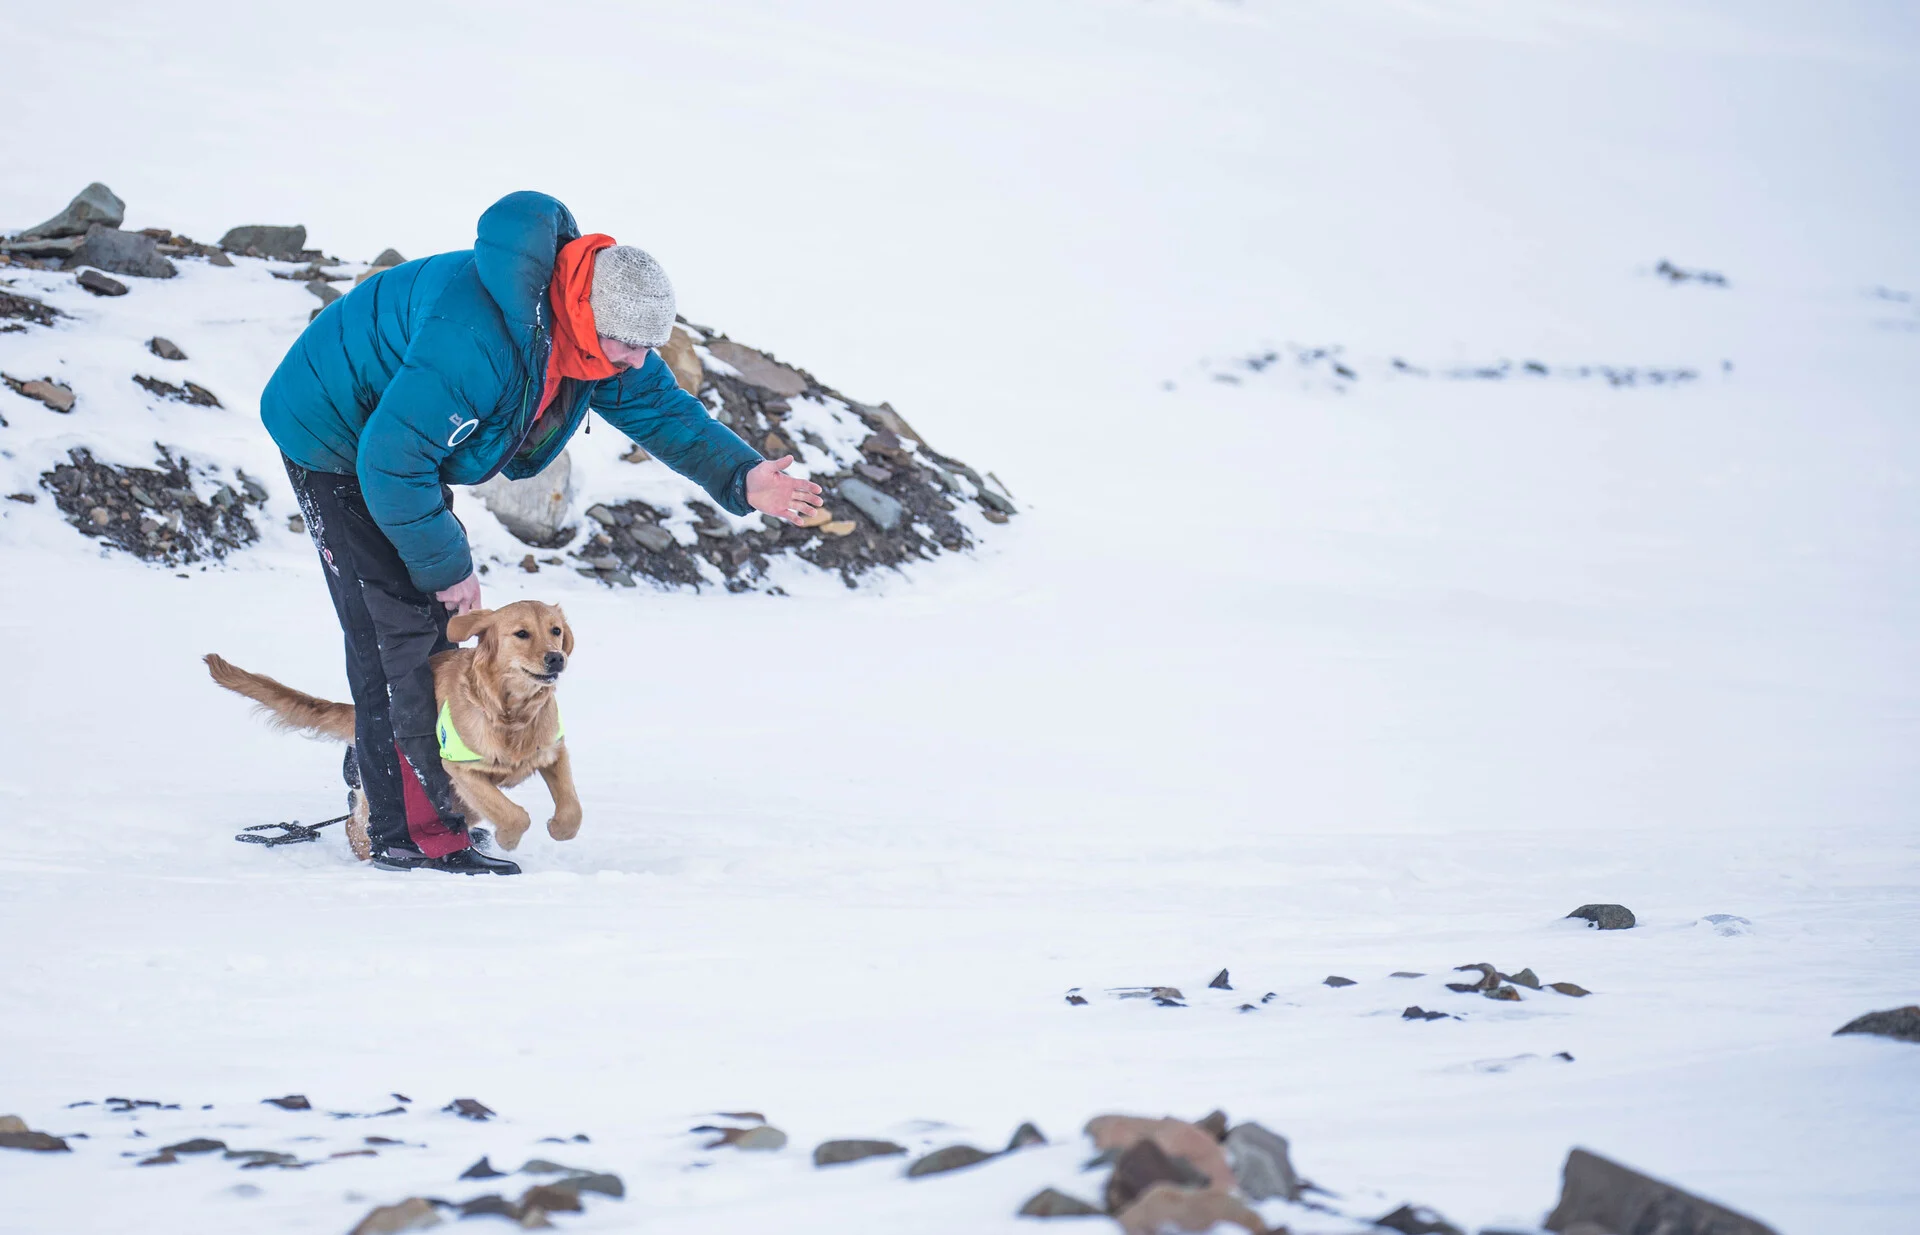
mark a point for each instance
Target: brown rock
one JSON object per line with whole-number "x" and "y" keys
{"x": 819, "y": 516}
{"x": 757, "y": 368}
{"x": 993, "y": 516}
{"x": 469, "y": 1108}
{"x": 550, "y": 1199}
{"x": 1488, "y": 980}
{"x": 37, "y": 1142}
{"x": 684, "y": 362}
{"x": 775, "y": 446}
{"x": 53, "y": 394}
{"x": 1569, "y": 988}
{"x": 1336, "y": 981}
{"x": 1214, "y": 1124}
{"x": 952, "y": 1158}
{"x": 12, "y": 1123}
{"x": 99, "y": 284}
{"x": 416, "y": 1213}
{"x": 1048, "y": 1203}
{"x": 1176, "y": 1136}
{"x": 297, "y": 524}
{"x": 1168, "y": 1207}
{"x": 1900, "y": 1024}
{"x": 292, "y": 1102}
{"x": 1023, "y": 1136}
{"x": 842, "y": 527}
{"x": 1141, "y": 1166}
{"x": 764, "y": 1137}
{"x": 165, "y": 349}
{"x": 637, "y": 455}
{"x": 833, "y": 1153}
{"x": 1605, "y": 1196}
{"x": 1506, "y": 993}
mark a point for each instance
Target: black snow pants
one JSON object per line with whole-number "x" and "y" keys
{"x": 391, "y": 629}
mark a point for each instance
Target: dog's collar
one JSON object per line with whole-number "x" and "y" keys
{"x": 454, "y": 748}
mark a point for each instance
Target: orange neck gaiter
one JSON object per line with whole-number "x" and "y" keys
{"x": 576, "y": 344}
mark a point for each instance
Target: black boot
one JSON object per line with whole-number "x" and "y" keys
{"x": 459, "y": 862}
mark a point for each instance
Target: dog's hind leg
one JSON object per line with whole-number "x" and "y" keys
{"x": 357, "y": 825}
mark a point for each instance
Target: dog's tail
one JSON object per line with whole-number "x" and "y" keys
{"x": 288, "y": 708}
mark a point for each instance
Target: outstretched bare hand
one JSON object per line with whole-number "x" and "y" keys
{"x": 772, "y": 492}
{"x": 461, "y": 597}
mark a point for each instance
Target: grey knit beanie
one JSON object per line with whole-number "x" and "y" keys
{"x": 632, "y": 297}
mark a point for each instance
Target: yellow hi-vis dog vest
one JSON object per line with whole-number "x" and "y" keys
{"x": 454, "y": 749}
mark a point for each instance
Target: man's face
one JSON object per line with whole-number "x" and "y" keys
{"x": 623, "y": 355}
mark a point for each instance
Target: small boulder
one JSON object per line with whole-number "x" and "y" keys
{"x": 535, "y": 509}
{"x": 387, "y": 258}
{"x": 93, "y": 205}
{"x": 1048, "y": 1203}
{"x": 1143, "y": 1166}
{"x": 325, "y": 291}
{"x": 1414, "y": 1012}
{"x": 1901, "y": 1024}
{"x": 34, "y": 1142}
{"x": 1024, "y": 1136}
{"x": 284, "y": 244}
{"x": 1606, "y": 917}
{"x": 1220, "y": 982}
{"x": 292, "y": 1102}
{"x": 1176, "y": 1137}
{"x": 1526, "y": 978}
{"x": 99, "y": 284}
{"x": 833, "y": 1153}
{"x": 952, "y": 1158}
{"x": 1604, "y": 1196}
{"x": 129, "y": 253}
{"x": 12, "y": 1123}
{"x": 550, "y": 1199}
{"x": 1335, "y": 980}
{"x": 469, "y": 1108}
{"x": 884, "y": 509}
{"x": 165, "y": 349}
{"x": 757, "y": 368}
{"x": 416, "y": 1213}
{"x": 1417, "y": 1220}
{"x": 57, "y": 397}
{"x": 198, "y": 1145}
{"x": 1569, "y": 988}
{"x": 603, "y": 1182}
{"x": 1260, "y": 1163}
{"x": 482, "y": 1169}
{"x": 1168, "y": 1207}
{"x": 684, "y": 363}
{"x": 765, "y": 1137}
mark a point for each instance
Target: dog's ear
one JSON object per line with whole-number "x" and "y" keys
{"x": 566, "y": 633}
{"x": 468, "y": 624}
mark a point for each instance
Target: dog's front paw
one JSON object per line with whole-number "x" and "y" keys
{"x": 565, "y": 824}
{"x": 509, "y": 831}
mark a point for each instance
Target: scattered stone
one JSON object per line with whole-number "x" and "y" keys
{"x": 163, "y": 1158}
{"x": 637, "y": 455}
{"x": 1159, "y": 994}
{"x": 1606, "y": 917}
{"x": 1214, "y": 1124}
{"x": 1024, "y": 1136}
{"x": 529, "y": 565}
{"x": 1269, "y": 997}
{"x": 1526, "y": 978}
{"x": 36, "y": 1142}
{"x": 1261, "y": 1165}
{"x": 884, "y": 510}
{"x": 118, "y": 252}
{"x": 56, "y": 396}
{"x": 416, "y": 1213}
{"x": 388, "y": 258}
{"x": 1078, "y": 1001}
{"x": 1336, "y": 981}
{"x": 1175, "y": 1136}
{"x": 764, "y": 1137}
{"x": 286, "y": 244}
{"x": 165, "y": 349}
{"x": 1605, "y": 1196}
{"x": 198, "y": 1145}
{"x": 1048, "y": 1203}
{"x": 840, "y": 527}
{"x": 819, "y": 516}
{"x": 1417, "y": 1220}
{"x": 833, "y": 1153}
{"x": 99, "y": 284}
{"x": 1144, "y": 1165}
{"x": 292, "y": 1102}
{"x": 482, "y": 1169}
{"x": 550, "y": 1199}
{"x": 603, "y": 1182}
{"x": 872, "y": 471}
{"x": 189, "y": 392}
{"x": 1675, "y": 274}
{"x": 26, "y": 309}
{"x": 534, "y": 509}
{"x": 1728, "y": 924}
{"x": 12, "y": 1123}
{"x": 1901, "y": 1024}
{"x": 1414, "y": 1012}
{"x": 1405, "y": 973}
{"x": 216, "y": 258}
{"x": 757, "y": 368}
{"x": 297, "y": 524}
{"x": 492, "y": 1205}
{"x": 1488, "y": 980}
{"x": 25, "y": 499}
{"x": 93, "y": 205}
{"x": 469, "y": 1108}
{"x": 1220, "y": 982}
{"x": 1167, "y": 1207}
{"x": 952, "y": 1158}
{"x": 324, "y": 290}
{"x": 1506, "y": 993}
{"x": 1569, "y": 988}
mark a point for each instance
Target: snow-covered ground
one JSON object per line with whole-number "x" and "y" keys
{"x": 1297, "y": 675}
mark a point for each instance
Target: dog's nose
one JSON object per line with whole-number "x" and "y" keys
{"x": 556, "y": 661}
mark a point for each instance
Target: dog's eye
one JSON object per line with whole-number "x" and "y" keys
{"x": 556, "y": 630}
{"x": 521, "y": 634}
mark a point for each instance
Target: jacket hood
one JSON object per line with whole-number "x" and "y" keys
{"x": 519, "y": 238}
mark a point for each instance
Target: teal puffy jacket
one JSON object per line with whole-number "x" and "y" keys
{"x": 432, "y": 372}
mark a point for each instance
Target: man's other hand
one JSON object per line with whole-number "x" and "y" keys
{"x": 772, "y": 492}
{"x": 461, "y": 597}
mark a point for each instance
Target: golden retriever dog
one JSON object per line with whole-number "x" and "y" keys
{"x": 499, "y": 695}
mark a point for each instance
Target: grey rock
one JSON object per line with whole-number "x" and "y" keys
{"x": 1606, "y": 1196}
{"x": 1569, "y": 988}
{"x": 165, "y": 349}
{"x": 259, "y": 240}
{"x": 651, "y": 535}
{"x": 482, "y": 1169}
{"x": 1902, "y": 1024}
{"x": 99, "y": 284}
{"x": 1606, "y": 917}
{"x": 833, "y": 1153}
{"x": 1526, "y": 978}
{"x": 1260, "y": 1163}
{"x": 1220, "y": 982}
{"x": 388, "y": 257}
{"x": 1405, "y": 973}
{"x": 1023, "y": 1136}
{"x": 413, "y": 1214}
{"x": 1335, "y": 980}
{"x": 94, "y": 204}
{"x": 324, "y": 290}
{"x": 1047, "y": 1203}
{"x": 884, "y": 510}
{"x": 604, "y": 561}
{"x": 198, "y": 1145}
{"x": 215, "y": 257}
{"x": 621, "y": 578}
{"x": 63, "y": 247}
{"x": 607, "y": 517}
{"x": 1417, "y": 1220}
{"x": 757, "y": 368}
{"x": 952, "y": 1158}
{"x": 34, "y": 1142}
{"x": 995, "y": 501}
{"x": 534, "y": 509}
{"x": 603, "y": 1182}
{"x": 1414, "y": 1012}
{"x": 119, "y": 252}
{"x": 874, "y": 472}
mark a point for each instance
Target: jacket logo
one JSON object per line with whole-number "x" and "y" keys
{"x": 462, "y": 429}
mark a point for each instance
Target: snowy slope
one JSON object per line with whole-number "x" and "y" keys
{"x": 1298, "y": 675}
